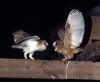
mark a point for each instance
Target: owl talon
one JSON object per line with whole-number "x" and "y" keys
{"x": 25, "y": 55}
{"x": 66, "y": 61}
{"x": 63, "y": 59}
{"x": 32, "y": 58}
{"x": 82, "y": 49}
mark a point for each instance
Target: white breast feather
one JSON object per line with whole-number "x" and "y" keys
{"x": 31, "y": 46}
{"x": 76, "y": 20}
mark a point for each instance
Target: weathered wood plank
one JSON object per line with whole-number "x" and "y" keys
{"x": 21, "y": 68}
{"x": 84, "y": 70}
{"x": 95, "y": 32}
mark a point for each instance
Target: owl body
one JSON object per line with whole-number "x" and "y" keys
{"x": 71, "y": 36}
{"x": 30, "y": 45}
{"x": 68, "y": 53}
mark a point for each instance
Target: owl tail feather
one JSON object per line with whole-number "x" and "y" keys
{"x": 16, "y": 46}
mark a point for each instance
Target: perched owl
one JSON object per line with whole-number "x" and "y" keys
{"x": 71, "y": 36}
{"x": 28, "y": 43}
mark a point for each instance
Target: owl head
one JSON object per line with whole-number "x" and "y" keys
{"x": 58, "y": 44}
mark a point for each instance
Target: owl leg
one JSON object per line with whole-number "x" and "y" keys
{"x": 30, "y": 55}
{"x": 25, "y": 55}
{"x": 65, "y": 58}
{"x": 65, "y": 61}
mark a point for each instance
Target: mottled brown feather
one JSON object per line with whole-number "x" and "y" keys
{"x": 61, "y": 34}
{"x": 60, "y": 44}
{"x": 19, "y": 35}
{"x": 39, "y": 42}
{"x": 65, "y": 45}
{"x": 67, "y": 38}
{"x": 66, "y": 52}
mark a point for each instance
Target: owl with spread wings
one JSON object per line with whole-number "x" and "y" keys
{"x": 28, "y": 43}
{"x": 71, "y": 36}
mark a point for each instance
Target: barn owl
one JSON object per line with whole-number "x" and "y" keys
{"x": 28, "y": 43}
{"x": 71, "y": 36}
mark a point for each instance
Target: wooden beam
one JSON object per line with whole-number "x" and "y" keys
{"x": 84, "y": 70}
{"x": 90, "y": 53}
{"x": 44, "y": 69}
{"x": 21, "y": 68}
{"x": 95, "y": 32}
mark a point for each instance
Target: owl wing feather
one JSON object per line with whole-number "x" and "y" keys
{"x": 33, "y": 38}
{"x": 22, "y": 36}
{"x": 20, "y": 32}
{"x": 74, "y": 29}
{"x": 61, "y": 34}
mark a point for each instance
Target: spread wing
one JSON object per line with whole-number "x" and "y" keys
{"x": 74, "y": 29}
{"x": 22, "y": 35}
{"x": 61, "y": 33}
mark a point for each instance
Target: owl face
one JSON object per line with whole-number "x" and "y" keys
{"x": 58, "y": 45}
{"x": 55, "y": 44}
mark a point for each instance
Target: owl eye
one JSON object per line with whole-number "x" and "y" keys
{"x": 56, "y": 44}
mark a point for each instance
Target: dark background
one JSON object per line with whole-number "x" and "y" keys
{"x": 37, "y": 17}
